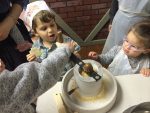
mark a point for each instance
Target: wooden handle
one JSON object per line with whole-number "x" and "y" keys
{"x": 59, "y": 103}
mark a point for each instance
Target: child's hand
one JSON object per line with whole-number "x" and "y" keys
{"x": 109, "y": 27}
{"x": 31, "y": 57}
{"x": 145, "y": 72}
{"x": 93, "y": 55}
{"x": 2, "y": 66}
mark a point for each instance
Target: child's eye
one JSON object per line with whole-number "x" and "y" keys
{"x": 134, "y": 47}
{"x": 127, "y": 41}
{"x": 52, "y": 25}
{"x": 43, "y": 28}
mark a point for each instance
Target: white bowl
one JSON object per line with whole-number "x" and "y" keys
{"x": 88, "y": 86}
{"x": 84, "y": 104}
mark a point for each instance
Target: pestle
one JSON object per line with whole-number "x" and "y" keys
{"x": 87, "y": 67}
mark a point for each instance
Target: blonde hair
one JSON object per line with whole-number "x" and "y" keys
{"x": 142, "y": 32}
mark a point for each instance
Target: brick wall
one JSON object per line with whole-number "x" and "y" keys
{"x": 82, "y": 15}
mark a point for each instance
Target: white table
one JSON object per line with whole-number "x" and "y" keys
{"x": 132, "y": 90}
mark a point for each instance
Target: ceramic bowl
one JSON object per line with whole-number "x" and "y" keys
{"x": 77, "y": 102}
{"x": 88, "y": 86}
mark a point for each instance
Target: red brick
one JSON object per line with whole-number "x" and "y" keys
{"x": 75, "y": 14}
{"x": 74, "y": 3}
{"x": 55, "y": 9}
{"x": 82, "y": 8}
{"x": 70, "y": 20}
{"x": 109, "y": 4}
{"x": 99, "y": 6}
{"x": 66, "y": 9}
{"x": 102, "y": 11}
{"x": 82, "y": 28}
{"x": 90, "y": 1}
{"x": 61, "y": 0}
{"x": 50, "y": 1}
{"x": 58, "y": 4}
{"x": 101, "y": 35}
{"x": 83, "y": 18}
{"x": 103, "y": 1}
{"x": 91, "y": 22}
{"x": 95, "y": 16}
{"x": 91, "y": 12}
{"x": 88, "y": 27}
{"x": 83, "y": 34}
{"x": 82, "y": 15}
{"x": 87, "y": 31}
{"x": 76, "y": 24}
{"x": 64, "y": 15}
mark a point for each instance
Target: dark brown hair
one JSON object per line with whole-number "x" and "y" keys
{"x": 142, "y": 32}
{"x": 44, "y": 16}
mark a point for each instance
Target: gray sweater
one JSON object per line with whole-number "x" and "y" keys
{"x": 22, "y": 86}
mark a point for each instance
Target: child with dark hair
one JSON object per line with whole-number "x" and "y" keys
{"x": 43, "y": 24}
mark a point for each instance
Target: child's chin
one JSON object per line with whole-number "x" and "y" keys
{"x": 53, "y": 41}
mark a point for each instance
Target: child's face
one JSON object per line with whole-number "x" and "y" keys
{"x": 132, "y": 46}
{"x": 47, "y": 31}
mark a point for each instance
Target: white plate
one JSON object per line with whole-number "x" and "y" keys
{"x": 97, "y": 104}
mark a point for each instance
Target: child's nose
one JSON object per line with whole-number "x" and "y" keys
{"x": 49, "y": 30}
{"x": 128, "y": 47}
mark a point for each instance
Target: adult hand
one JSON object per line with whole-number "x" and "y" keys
{"x": 109, "y": 27}
{"x": 24, "y": 46}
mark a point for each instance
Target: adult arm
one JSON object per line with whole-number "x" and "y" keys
{"x": 10, "y": 20}
{"x": 29, "y": 80}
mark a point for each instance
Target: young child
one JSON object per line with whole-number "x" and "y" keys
{"x": 19, "y": 88}
{"x": 123, "y": 15}
{"x": 133, "y": 56}
{"x": 44, "y": 26}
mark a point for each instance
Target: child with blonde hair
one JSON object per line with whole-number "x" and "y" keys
{"x": 133, "y": 56}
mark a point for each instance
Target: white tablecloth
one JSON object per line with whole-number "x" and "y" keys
{"x": 132, "y": 90}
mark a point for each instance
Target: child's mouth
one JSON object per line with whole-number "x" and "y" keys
{"x": 52, "y": 37}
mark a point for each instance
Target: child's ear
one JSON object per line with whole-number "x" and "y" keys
{"x": 34, "y": 33}
{"x": 37, "y": 35}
